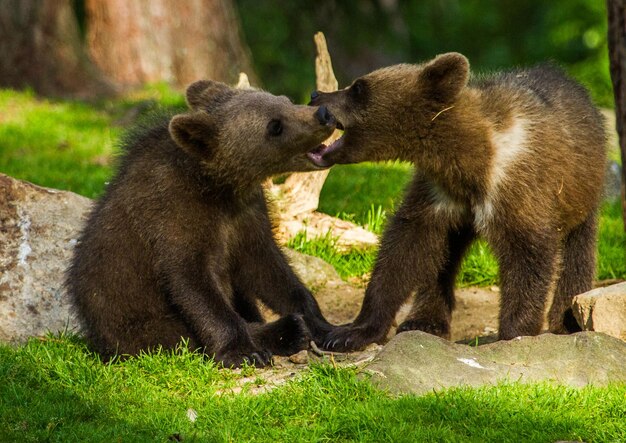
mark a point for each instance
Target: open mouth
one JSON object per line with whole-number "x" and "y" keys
{"x": 317, "y": 154}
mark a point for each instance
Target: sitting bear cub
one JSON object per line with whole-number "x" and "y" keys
{"x": 517, "y": 158}
{"x": 181, "y": 247}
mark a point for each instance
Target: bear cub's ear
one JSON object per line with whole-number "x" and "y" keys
{"x": 444, "y": 77}
{"x": 195, "y": 132}
{"x": 207, "y": 93}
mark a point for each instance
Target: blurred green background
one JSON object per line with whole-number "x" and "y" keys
{"x": 72, "y": 144}
{"x": 363, "y": 35}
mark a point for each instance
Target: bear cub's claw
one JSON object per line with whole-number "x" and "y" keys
{"x": 351, "y": 337}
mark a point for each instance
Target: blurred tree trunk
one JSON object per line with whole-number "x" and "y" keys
{"x": 40, "y": 47}
{"x": 141, "y": 41}
{"x": 617, "y": 56}
{"x": 297, "y": 199}
{"x": 301, "y": 191}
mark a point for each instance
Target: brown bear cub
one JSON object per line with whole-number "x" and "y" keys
{"x": 181, "y": 244}
{"x": 516, "y": 158}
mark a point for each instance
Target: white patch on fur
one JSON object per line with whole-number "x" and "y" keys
{"x": 508, "y": 145}
{"x": 442, "y": 203}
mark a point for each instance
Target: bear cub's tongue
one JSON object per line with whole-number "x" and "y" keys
{"x": 317, "y": 154}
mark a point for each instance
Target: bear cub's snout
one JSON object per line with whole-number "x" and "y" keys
{"x": 324, "y": 116}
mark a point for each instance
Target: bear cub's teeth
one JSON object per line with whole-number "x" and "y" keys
{"x": 315, "y": 154}
{"x": 319, "y": 150}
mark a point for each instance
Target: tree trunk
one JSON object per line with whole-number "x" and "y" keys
{"x": 178, "y": 42}
{"x": 40, "y": 47}
{"x": 301, "y": 191}
{"x": 298, "y": 198}
{"x": 617, "y": 55}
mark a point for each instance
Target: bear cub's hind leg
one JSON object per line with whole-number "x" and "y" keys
{"x": 577, "y": 271}
{"x": 527, "y": 260}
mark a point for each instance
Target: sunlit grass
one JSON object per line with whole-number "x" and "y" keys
{"x": 611, "y": 255}
{"x": 65, "y": 144}
{"x": 352, "y": 263}
{"x": 56, "y": 144}
{"x": 56, "y": 390}
{"x": 351, "y": 191}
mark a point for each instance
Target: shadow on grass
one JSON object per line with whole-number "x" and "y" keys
{"x": 56, "y": 390}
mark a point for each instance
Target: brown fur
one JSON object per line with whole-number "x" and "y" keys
{"x": 181, "y": 245}
{"x": 517, "y": 158}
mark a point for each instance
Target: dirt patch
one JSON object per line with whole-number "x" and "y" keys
{"x": 476, "y": 312}
{"x": 475, "y": 317}
{"x": 285, "y": 369}
{"x": 474, "y": 321}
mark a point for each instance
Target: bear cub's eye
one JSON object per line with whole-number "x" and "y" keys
{"x": 275, "y": 128}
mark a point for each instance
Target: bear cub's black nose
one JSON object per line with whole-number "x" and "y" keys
{"x": 324, "y": 116}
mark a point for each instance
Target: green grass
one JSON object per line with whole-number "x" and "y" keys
{"x": 55, "y": 390}
{"x": 611, "y": 243}
{"x": 350, "y": 191}
{"x": 72, "y": 145}
{"x": 352, "y": 263}
{"x": 65, "y": 144}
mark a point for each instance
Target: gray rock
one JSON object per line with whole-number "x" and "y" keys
{"x": 613, "y": 181}
{"x": 313, "y": 271}
{"x": 417, "y": 362}
{"x": 602, "y": 310}
{"x": 38, "y": 230}
{"x": 301, "y": 358}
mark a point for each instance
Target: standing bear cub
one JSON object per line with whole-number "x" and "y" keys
{"x": 517, "y": 158}
{"x": 181, "y": 247}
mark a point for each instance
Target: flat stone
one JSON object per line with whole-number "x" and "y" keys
{"x": 301, "y": 358}
{"x": 416, "y": 362}
{"x": 38, "y": 230}
{"x": 313, "y": 271}
{"x": 612, "y": 181}
{"x": 602, "y": 310}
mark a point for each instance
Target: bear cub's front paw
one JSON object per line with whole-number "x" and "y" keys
{"x": 235, "y": 358}
{"x": 286, "y": 336}
{"x": 352, "y": 337}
